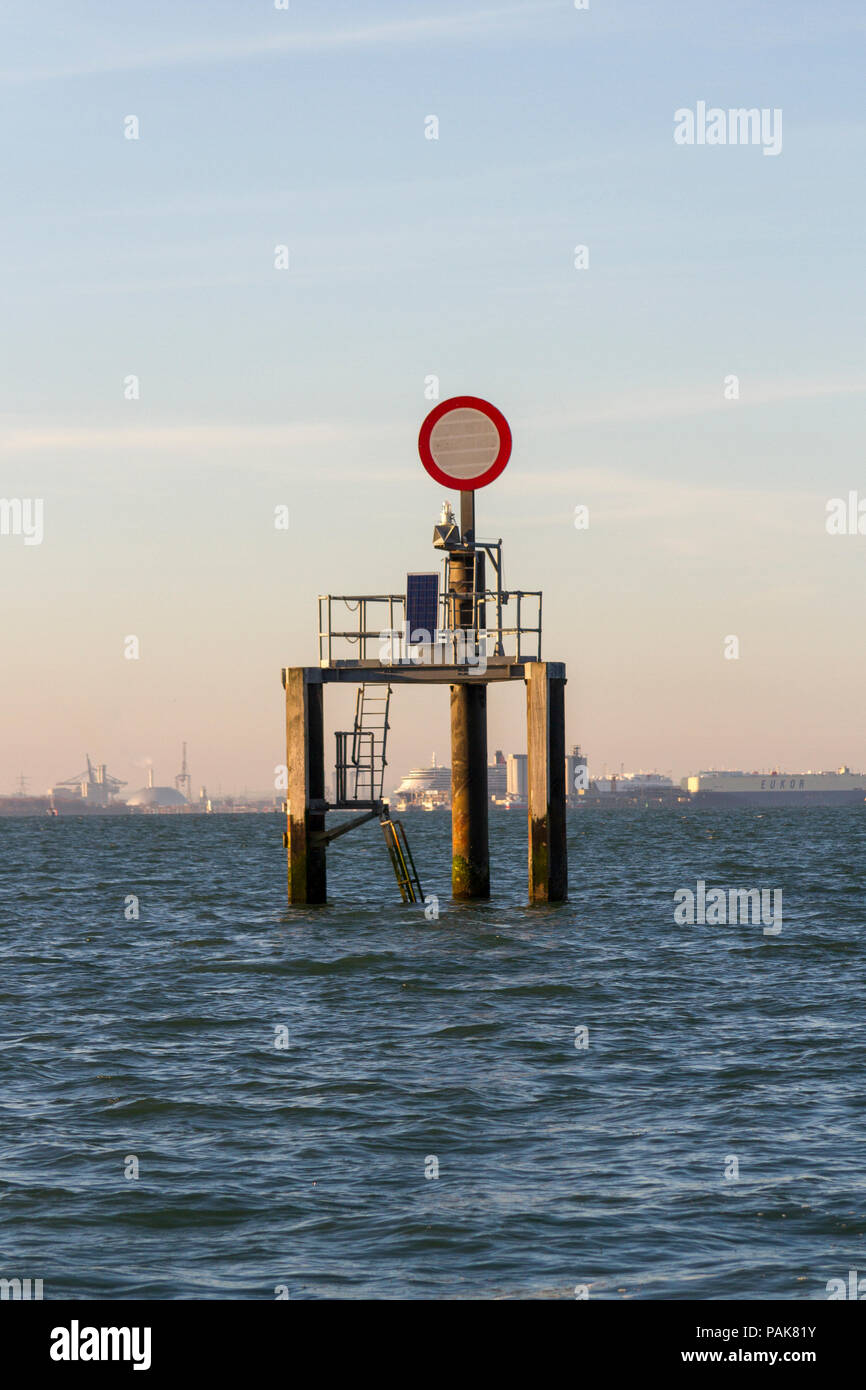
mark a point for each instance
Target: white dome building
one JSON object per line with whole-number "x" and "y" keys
{"x": 151, "y": 798}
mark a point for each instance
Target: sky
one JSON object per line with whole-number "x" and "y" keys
{"x": 412, "y": 257}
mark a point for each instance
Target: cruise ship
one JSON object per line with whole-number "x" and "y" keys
{"x": 424, "y": 788}
{"x": 429, "y": 788}
{"x": 840, "y": 788}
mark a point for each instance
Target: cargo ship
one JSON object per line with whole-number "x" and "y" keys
{"x": 627, "y": 791}
{"x": 840, "y": 788}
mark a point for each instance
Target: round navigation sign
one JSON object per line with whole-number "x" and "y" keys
{"x": 465, "y": 443}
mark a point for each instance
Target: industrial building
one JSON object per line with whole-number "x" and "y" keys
{"x": 152, "y": 798}
{"x": 507, "y": 785}
{"x": 93, "y": 786}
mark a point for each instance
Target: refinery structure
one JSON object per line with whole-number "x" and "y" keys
{"x": 95, "y": 791}
{"x": 92, "y": 788}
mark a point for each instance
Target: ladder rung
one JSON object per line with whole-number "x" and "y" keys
{"x": 401, "y": 859}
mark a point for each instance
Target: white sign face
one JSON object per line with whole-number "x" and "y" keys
{"x": 465, "y": 443}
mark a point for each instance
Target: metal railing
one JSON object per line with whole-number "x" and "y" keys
{"x": 461, "y": 634}
{"x": 358, "y": 778}
{"x": 359, "y": 635}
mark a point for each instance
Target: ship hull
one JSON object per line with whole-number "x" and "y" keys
{"x": 849, "y": 796}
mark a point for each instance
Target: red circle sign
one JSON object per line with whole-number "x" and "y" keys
{"x": 465, "y": 443}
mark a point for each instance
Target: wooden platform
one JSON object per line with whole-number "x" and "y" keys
{"x": 498, "y": 668}
{"x": 306, "y": 838}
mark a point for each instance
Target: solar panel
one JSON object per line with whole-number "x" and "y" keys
{"x": 422, "y": 606}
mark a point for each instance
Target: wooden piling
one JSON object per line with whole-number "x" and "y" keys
{"x": 470, "y": 855}
{"x": 545, "y": 741}
{"x": 305, "y": 838}
{"x": 305, "y": 796}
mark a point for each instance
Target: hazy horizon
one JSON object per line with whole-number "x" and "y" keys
{"x": 394, "y": 775}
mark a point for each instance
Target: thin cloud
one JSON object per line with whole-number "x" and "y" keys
{"x": 20, "y": 439}
{"x": 665, "y": 405}
{"x": 626, "y": 496}
{"x": 619, "y": 408}
{"x": 412, "y": 31}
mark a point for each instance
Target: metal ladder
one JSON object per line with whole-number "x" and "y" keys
{"x": 401, "y": 859}
{"x": 370, "y": 737}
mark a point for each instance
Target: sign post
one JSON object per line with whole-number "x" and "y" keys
{"x": 465, "y": 443}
